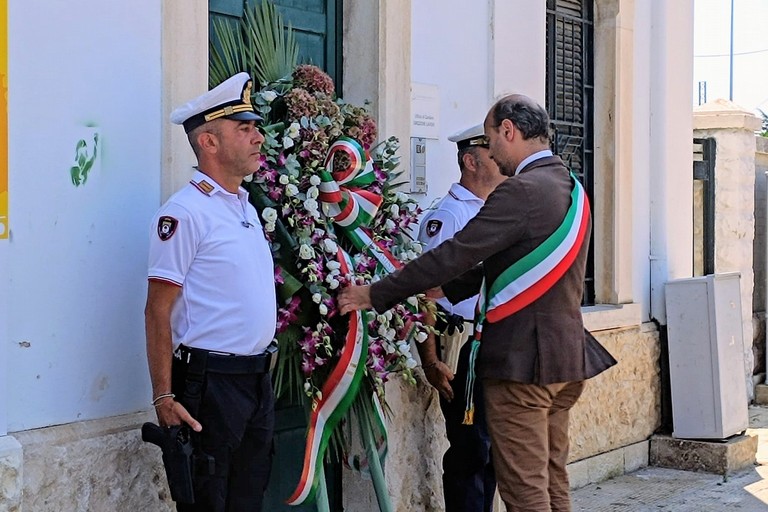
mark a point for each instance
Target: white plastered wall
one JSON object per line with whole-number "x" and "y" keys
{"x": 76, "y": 257}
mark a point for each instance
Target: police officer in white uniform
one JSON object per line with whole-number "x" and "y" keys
{"x": 469, "y": 482}
{"x": 211, "y": 308}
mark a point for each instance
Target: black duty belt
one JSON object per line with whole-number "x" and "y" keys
{"x": 230, "y": 364}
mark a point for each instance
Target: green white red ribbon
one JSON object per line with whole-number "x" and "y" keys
{"x": 352, "y": 208}
{"x": 529, "y": 278}
{"x": 338, "y": 393}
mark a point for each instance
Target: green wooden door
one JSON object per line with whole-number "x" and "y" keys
{"x": 317, "y": 26}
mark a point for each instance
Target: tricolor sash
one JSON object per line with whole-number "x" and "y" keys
{"x": 529, "y": 278}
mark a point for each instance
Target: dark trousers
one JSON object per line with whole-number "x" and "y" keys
{"x": 469, "y": 481}
{"x": 238, "y": 419}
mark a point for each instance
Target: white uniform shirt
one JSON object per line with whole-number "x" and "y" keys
{"x": 211, "y": 243}
{"x": 449, "y": 216}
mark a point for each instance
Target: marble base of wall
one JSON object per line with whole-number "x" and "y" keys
{"x": 608, "y": 465}
{"x": 11, "y": 466}
{"x": 91, "y": 465}
{"x": 621, "y": 406}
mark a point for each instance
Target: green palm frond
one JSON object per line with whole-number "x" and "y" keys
{"x": 261, "y": 44}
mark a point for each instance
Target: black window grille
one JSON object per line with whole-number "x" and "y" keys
{"x": 570, "y": 87}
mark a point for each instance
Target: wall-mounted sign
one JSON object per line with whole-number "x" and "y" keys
{"x": 4, "y": 119}
{"x": 425, "y": 110}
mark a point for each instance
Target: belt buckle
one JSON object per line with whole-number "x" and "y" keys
{"x": 272, "y": 352}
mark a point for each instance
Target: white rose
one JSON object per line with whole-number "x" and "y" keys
{"x": 269, "y": 227}
{"x": 291, "y": 190}
{"x": 287, "y": 142}
{"x": 314, "y": 180}
{"x": 333, "y": 265}
{"x": 394, "y": 210}
{"x": 269, "y": 215}
{"x": 293, "y": 130}
{"x": 284, "y": 179}
{"x": 306, "y": 252}
{"x": 331, "y": 247}
{"x": 388, "y": 315}
{"x": 313, "y": 192}
{"x": 416, "y": 248}
{"x": 390, "y": 335}
{"x": 323, "y": 309}
{"x": 317, "y": 298}
{"x": 333, "y": 283}
{"x": 421, "y": 337}
{"x": 389, "y": 225}
{"x": 311, "y": 205}
{"x": 269, "y": 96}
{"x": 401, "y": 197}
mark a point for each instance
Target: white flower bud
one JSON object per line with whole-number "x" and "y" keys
{"x": 333, "y": 284}
{"x": 333, "y": 265}
{"x": 317, "y": 298}
{"x": 284, "y": 179}
{"x": 323, "y": 309}
{"x": 269, "y": 96}
{"x": 291, "y": 190}
{"x": 421, "y": 337}
{"x": 394, "y": 210}
{"x": 389, "y": 225}
{"x": 314, "y": 180}
{"x": 313, "y": 192}
{"x": 306, "y": 252}
{"x": 412, "y": 301}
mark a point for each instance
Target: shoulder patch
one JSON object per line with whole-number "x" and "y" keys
{"x": 433, "y": 227}
{"x": 166, "y": 227}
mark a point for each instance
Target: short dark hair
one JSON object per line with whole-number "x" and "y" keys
{"x": 528, "y": 116}
{"x": 472, "y": 150}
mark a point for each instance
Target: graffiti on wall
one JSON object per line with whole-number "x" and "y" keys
{"x": 86, "y": 155}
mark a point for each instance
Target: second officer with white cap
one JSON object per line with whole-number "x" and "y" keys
{"x": 211, "y": 309}
{"x": 469, "y": 481}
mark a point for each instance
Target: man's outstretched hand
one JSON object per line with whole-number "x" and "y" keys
{"x": 354, "y": 298}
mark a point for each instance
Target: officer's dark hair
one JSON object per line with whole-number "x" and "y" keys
{"x": 528, "y": 116}
{"x": 472, "y": 150}
{"x": 210, "y": 127}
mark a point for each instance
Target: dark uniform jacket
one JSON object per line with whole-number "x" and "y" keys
{"x": 544, "y": 342}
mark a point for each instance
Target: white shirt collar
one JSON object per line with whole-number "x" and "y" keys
{"x": 208, "y": 186}
{"x": 531, "y": 158}
{"x": 462, "y": 193}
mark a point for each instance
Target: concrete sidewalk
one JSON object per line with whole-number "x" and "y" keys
{"x": 655, "y": 489}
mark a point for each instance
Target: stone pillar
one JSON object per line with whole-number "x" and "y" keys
{"x": 733, "y": 129}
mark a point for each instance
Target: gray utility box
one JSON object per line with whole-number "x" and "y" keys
{"x": 706, "y": 357}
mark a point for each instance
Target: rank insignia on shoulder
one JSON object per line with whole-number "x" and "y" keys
{"x": 166, "y": 227}
{"x": 203, "y": 186}
{"x": 433, "y": 227}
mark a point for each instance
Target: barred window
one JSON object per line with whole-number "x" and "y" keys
{"x": 569, "y": 100}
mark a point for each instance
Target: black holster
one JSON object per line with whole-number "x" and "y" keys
{"x": 178, "y": 458}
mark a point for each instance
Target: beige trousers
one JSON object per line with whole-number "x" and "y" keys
{"x": 528, "y": 425}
